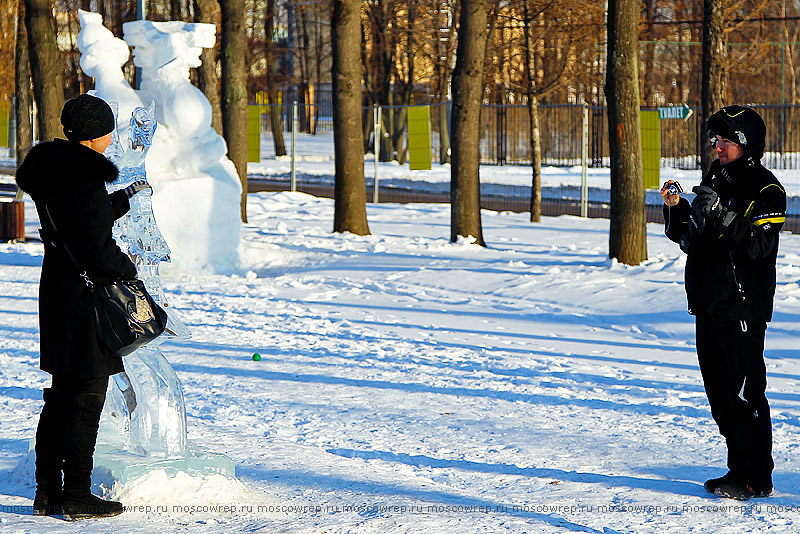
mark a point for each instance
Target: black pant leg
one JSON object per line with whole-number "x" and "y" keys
{"x": 83, "y": 404}
{"x": 49, "y": 450}
{"x": 755, "y": 430}
{"x": 734, "y": 376}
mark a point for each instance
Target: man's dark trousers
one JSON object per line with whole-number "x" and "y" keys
{"x": 735, "y": 379}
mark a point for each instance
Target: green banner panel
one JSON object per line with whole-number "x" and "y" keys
{"x": 419, "y": 138}
{"x": 4, "y": 124}
{"x": 651, "y": 149}
{"x": 254, "y": 133}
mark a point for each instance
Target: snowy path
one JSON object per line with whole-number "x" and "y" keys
{"x": 408, "y": 384}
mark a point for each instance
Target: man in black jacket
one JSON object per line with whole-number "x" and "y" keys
{"x": 730, "y": 234}
{"x": 66, "y": 179}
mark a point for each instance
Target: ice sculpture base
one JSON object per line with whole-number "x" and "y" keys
{"x": 123, "y": 466}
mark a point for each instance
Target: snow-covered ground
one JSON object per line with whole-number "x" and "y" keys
{"x": 409, "y": 384}
{"x": 314, "y": 162}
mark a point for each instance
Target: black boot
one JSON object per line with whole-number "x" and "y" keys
{"x": 82, "y": 420}
{"x": 738, "y": 487}
{"x": 742, "y": 491}
{"x": 712, "y": 484}
{"x": 735, "y": 490}
{"x": 49, "y": 438}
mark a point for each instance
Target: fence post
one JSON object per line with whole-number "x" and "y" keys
{"x": 376, "y": 117}
{"x": 293, "y": 187}
{"x": 585, "y": 162}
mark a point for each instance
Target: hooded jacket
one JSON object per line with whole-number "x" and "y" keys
{"x": 730, "y": 271}
{"x": 66, "y": 181}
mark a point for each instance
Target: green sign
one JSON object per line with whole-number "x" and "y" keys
{"x": 4, "y": 119}
{"x": 253, "y": 133}
{"x": 419, "y": 138}
{"x": 651, "y": 148}
{"x": 675, "y": 112}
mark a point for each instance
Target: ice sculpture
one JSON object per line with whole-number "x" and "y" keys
{"x": 147, "y": 375}
{"x": 197, "y": 189}
{"x": 144, "y": 420}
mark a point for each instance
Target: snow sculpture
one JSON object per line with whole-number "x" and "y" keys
{"x": 188, "y": 161}
{"x": 196, "y": 188}
{"x": 102, "y": 57}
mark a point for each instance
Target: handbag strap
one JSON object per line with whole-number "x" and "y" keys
{"x": 81, "y": 272}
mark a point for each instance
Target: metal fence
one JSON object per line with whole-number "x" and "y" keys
{"x": 505, "y": 133}
{"x": 505, "y": 140}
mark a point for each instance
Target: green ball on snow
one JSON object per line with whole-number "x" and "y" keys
{"x": 256, "y": 357}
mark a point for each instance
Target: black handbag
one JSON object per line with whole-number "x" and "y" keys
{"x": 126, "y": 316}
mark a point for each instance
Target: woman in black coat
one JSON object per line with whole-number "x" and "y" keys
{"x": 66, "y": 180}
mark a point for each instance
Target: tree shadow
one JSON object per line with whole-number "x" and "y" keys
{"x": 672, "y": 486}
{"x": 329, "y": 483}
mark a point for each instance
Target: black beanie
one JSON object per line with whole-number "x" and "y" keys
{"x": 87, "y": 117}
{"x": 742, "y": 125}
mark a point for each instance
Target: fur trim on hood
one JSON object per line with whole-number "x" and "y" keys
{"x": 53, "y": 166}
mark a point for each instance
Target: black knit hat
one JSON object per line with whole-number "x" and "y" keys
{"x": 742, "y": 125}
{"x": 87, "y": 117}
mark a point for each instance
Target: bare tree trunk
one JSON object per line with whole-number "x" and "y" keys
{"x": 22, "y": 81}
{"x": 208, "y": 11}
{"x": 444, "y": 47}
{"x": 369, "y": 98}
{"x": 74, "y": 84}
{"x": 406, "y": 86}
{"x": 9, "y": 10}
{"x": 175, "y": 10}
{"x": 627, "y": 236}
{"x": 533, "y": 116}
{"x": 46, "y": 67}
{"x": 234, "y": 89}
{"x": 275, "y": 121}
{"x": 713, "y": 82}
{"x": 444, "y": 129}
{"x": 648, "y": 64}
{"x": 788, "y": 122}
{"x": 114, "y": 22}
{"x": 536, "y": 157}
{"x": 318, "y": 63}
{"x": 379, "y": 67}
{"x": 304, "y": 108}
{"x": 350, "y": 197}
{"x": 465, "y": 187}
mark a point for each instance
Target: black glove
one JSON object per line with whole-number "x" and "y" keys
{"x": 135, "y": 187}
{"x": 707, "y": 205}
{"x": 696, "y": 225}
{"x": 685, "y": 242}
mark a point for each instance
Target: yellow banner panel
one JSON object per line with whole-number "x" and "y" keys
{"x": 419, "y": 138}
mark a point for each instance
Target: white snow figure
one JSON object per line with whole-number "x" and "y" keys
{"x": 199, "y": 191}
{"x": 102, "y": 57}
{"x": 196, "y": 190}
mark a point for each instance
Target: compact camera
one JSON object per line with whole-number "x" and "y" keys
{"x": 674, "y": 188}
